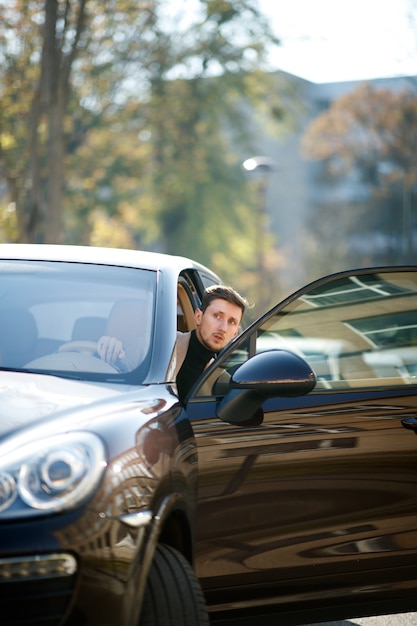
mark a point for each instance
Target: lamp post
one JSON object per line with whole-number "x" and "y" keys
{"x": 261, "y": 167}
{"x": 406, "y": 240}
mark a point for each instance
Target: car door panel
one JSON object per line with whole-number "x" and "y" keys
{"x": 325, "y": 488}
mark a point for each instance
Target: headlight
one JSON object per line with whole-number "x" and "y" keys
{"x": 50, "y": 475}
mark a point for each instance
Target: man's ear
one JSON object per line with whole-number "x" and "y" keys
{"x": 197, "y": 316}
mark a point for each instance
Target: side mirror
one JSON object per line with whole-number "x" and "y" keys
{"x": 268, "y": 374}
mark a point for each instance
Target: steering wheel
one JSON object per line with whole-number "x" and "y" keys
{"x": 90, "y": 347}
{"x": 86, "y": 347}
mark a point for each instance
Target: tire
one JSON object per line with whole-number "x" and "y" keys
{"x": 173, "y": 595}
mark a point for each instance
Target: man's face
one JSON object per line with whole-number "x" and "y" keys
{"x": 218, "y": 324}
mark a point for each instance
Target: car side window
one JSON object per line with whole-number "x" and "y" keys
{"x": 355, "y": 331}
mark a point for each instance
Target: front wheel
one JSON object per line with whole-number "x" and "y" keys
{"x": 173, "y": 595}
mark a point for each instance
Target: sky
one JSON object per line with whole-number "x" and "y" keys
{"x": 342, "y": 40}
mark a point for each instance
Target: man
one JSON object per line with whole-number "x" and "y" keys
{"x": 217, "y": 323}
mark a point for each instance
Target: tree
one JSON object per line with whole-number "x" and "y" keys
{"x": 371, "y": 133}
{"x": 86, "y": 78}
{"x": 38, "y": 48}
{"x": 168, "y": 176}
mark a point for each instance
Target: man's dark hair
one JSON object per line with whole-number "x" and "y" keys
{"x": 224, "y": 293}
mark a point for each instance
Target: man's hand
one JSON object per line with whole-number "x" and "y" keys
{"x": 110, "y": 349}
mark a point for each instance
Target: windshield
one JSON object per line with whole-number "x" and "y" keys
{"x": 53, "y": 314}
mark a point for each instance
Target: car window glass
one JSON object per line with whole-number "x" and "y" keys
{"x": 52, "y": 314}
{"x": 354, "y": 331}
{"x": 357, "y": 331}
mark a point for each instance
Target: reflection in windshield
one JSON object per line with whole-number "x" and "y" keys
{"x": 53, "y": 314}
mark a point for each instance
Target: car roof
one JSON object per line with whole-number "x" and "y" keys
{"x": 103, "y": 256}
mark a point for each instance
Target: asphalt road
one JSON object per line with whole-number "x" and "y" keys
{"x": 403, "y": 619}
{"x": 400, "y": 619}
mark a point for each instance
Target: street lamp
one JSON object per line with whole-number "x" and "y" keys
{"x": 261, "y": 166}
{"x": 259, "y": 163}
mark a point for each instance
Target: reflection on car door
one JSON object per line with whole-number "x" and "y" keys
{"x": 320, "y": 488}
{"x": 326, "y": 486}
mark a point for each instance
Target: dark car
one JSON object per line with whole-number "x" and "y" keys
{"x": 282, "y": 489}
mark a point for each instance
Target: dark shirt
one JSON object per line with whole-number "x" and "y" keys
{"x": 194, "y": 364}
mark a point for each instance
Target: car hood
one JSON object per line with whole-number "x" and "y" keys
{"x": 29, "y": 399}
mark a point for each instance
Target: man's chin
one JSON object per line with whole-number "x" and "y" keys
{"x": 217, "y": 345}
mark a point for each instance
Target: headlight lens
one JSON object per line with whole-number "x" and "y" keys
{"x": 50, "y": 475}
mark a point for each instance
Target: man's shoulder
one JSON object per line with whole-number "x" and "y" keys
{"x": 181, "y": 347}
{"x": 183, "y": 340}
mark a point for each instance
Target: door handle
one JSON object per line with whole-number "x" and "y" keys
{"x": 410, "y": 423}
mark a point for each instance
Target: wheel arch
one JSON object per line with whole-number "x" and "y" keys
{"x": 176, "y": 532}
{"x": 170, "y": 525}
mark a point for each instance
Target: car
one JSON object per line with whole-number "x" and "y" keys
{"x": 283, "y": 488}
